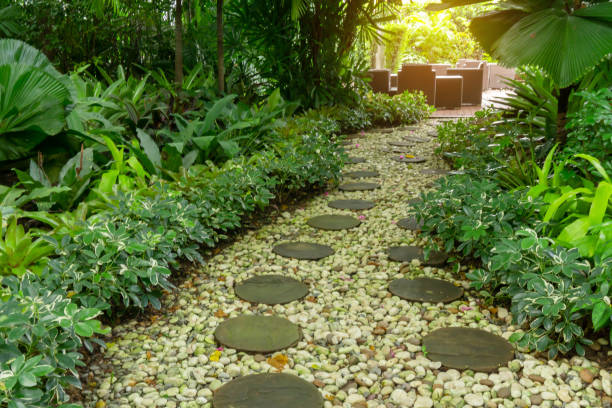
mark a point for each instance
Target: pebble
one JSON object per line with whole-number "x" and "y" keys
{"x": 361, "y": 346}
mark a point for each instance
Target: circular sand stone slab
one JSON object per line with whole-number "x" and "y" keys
{"x": 416, "y": 139}
{"x": 351, "y": 204}
{"x": 362, "y": 174}
{"x": 466, "y": 348}
{"x": 358, "y": 186}
{"x": 408, "y": 253}
{"x": 355, "y": 160}
{"x": 409, "y": 159}
{"x": 410, "y": 223}
{"x": 271, "y": 289}
{"x": 405, "y": 253}
{"x": 257, "y": 334}
{"x": 436, "y": 258}
{"x": 433, "y": 133}
{"x": 332, "y": 222}
{"x": 303, "y": 250}
{"x": 399, "y": 143}
{"x": 425, "y": 290}
{"x": 270, "y": 390}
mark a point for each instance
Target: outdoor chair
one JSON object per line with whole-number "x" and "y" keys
{"x": 380, "y": 80}
{"x": 472, "y": 84}
{"x": 440, "y": 69}
{"x": 469, "y": 63}
{"x": 417, "y": 77}
{"x": 498, "y": 74}
{"x": 449, "y": 91}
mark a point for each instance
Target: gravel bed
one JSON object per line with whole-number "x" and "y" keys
{"x": 360, "y": 345}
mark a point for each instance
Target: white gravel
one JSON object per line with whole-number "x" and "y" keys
{"x": 360, "y": 346}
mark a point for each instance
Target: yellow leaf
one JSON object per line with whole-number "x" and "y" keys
{"x": 278, "y": 361}
{"x": 69, "y": 295}
{"x": 100, "y": 404}
{"x": 215, "y": 356}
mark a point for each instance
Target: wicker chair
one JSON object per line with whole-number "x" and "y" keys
{"x": 418, "y": 77}
{"x": 380, "y": 80}
{"x": 472, "y": 83}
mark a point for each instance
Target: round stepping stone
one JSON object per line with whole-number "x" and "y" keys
{"x": 465, "y": 348}
{"x": 351, "y": 204}
{"x": 257, "y": 334}
{"x": 334, "y": 222}
{"x": 425, "y": 290}
{"x": 405, "y": 253}
{"x": 408, "y": 128}
{"x": 385, "y": 131}
{"x": 271, "y": 289}
{"x": 358, "y": 186}
{"x": 408, "y": 253}
{"x": 399, "y": 143}
{"x": 303, "y": 250}
{"x": 416, "y": 139}
{"x": 433, "y": 133}
{"x": 410, "y": 223}
{"x": 362, "y": 174}
{"x": 409, "y": 159}
{"x": 436, "y": 258}
{"x": 270, "y": 390}
{"x": 355, "y": 160}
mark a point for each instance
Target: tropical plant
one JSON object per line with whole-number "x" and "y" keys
{"x": 33, "y": 100}
{"x": 578, "y": 217}
{"x": 41, "y": 337}
{"x": 563, "y": 37}
{"x": 19, "y": 251}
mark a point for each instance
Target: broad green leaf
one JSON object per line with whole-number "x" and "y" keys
{"x": 564, "y": 45}
{"x": 150, "y": 147}
{"x": 601, "y": 315}
{"x": 600, "y": 203}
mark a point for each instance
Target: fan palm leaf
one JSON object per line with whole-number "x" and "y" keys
{"x": 563, "y": 41}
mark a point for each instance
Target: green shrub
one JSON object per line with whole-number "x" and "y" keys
{"x": 122, "y": 257}
{"x": 590, "y": 127}
{"x": 40, "y": 336}
{"x": 468, "y": 214}
{"x": 403, "y": 109}
{"x": 551, "y": 288}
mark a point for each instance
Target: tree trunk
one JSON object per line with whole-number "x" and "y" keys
{"x": 220, "y": 63}
{"x": 178, "y": 37}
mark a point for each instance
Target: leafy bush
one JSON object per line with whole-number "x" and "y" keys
{"x": 123, "y": 255}
{"x": 590, "y": 127}
{"x": 578, "y": 211}
{"x": 406, "y": 108}
{"x": 551, "y": 288}
{"x": 468, "y": 214}
{"x": 40, "y": 336}
{"x": 471, "y": 142}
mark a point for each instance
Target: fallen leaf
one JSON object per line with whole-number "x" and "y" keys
{"x": 215, "y": 356}
{"x": 220, "y": 313}
{"x": 69, "y": 295}
{"x": 221, "y": 278}
{"x": 278, "y": 361}
{"x": 148, "y": 355}
{"x": 311, "y": 299}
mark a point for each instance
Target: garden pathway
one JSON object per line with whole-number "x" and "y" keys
{"x": 360, "y": 346}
